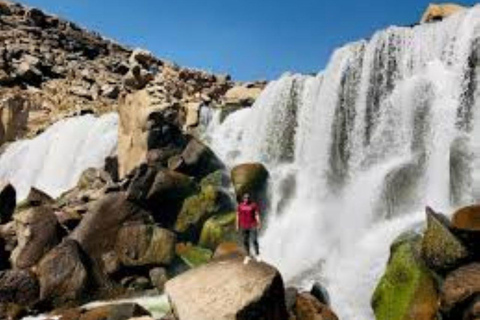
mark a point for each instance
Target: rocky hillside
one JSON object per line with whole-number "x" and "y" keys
{"x": 51, "y": 68}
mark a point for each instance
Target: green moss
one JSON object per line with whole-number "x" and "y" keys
{"x": 194, "y": 256}
{"x": 440, "y": 248}
{"x": 218, "y": 229}
{"x": 407, "y": 290}
{"x": 216, "y": 179}
{"x": 198, "y": 208}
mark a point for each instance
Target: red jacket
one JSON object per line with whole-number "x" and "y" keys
{"x": 247, "y": 215}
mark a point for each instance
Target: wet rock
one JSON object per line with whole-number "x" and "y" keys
{"x": 441, "y": 249}
{"x": 115, "y": 312}
{"x": 37, "y": 232}
{"x": 12, "y": 311}
{"x": 14, "y": 115}
{"x": 19, "y": 287}
{"x": 249, "y": 178}
{"x": 407, "y": 289}
{"x": 466, "y": 225}
{"x": 198, "y": 208}
{"x": 460, "y": 286}
{"x": 307, "y": 307}
{"x": 228, "y": 289}
{"x": 37, "y": 198}
{"x": 63, "y": 274}
{"x": 320, "y": 293}
{"x": 8, "y": 201}
{"x": 158, "y": 278}
{"x": 143, "y": 245}
{"x": 218, "y": 229}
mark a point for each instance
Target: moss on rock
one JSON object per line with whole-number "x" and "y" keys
{"x": 407, "y": 290}
{"x": 218, "y": 229}
{"x": 193, "y": 256}
{"x": 441, "y": 249}
{"x": 198, "y": 208}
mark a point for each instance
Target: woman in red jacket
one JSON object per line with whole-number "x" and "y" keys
{"x": 248, "y": 223}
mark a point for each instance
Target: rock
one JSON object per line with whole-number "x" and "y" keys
{"x": 143, "y": 57}
{"x": 37, "y": 232}
{"x": 218, "y": 229}
{"x": 193, "y": 114}
{"x": 110, "y": 91}
{"x": 63, "y": 274}
{"x": 437, "y": 12}
{"x": 320, "y": 293}
{"x": 19, "y": 286}
{"x": 219, "y": 179}
{"x": 162, "y": 192}
{"x": 37, "y": 198}
{"x": 472, "y": 311}
{"x": 144, "y": 127}
{"x": 143, "y": 245}
{"x": 242, "y": 96}
{"x": 407, "y": 289}
{"x": 4, "y": 255}
{"x": 137, "y": 78}
{"x": 14, "y": 116}
{"x": 307, "y": 307}
{"x": 158, "y": 278}
{"x": 441, "y": 249}
{"x": 5, "y": 8}
{"x": 12, "y": 311}
{"x": 36, "y": 17}
{"x": 115, "y": 312}
{"x": 229, "y": 250}
{"x": 193, "y": 256}
{"x": 198, "y": 208}
{"x": 228, "y": 289}
{"x": 8, "y": 201}
{"x": 460, "y": 286}
{"x": 466, "y": 225}
{"x": 106, "y": 217}
{"x": 196, "y": 160}
{"x": 249, "y": 178}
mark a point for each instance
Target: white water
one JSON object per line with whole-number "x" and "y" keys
{"x": 357, "y": 152}
{"x": 54, "y": 161}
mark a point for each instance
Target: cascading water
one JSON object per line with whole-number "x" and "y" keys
{"x": 54, "y": 161}
{"x": 356, "y": 152}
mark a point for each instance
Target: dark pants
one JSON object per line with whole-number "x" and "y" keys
{"x": 250, "y": 235}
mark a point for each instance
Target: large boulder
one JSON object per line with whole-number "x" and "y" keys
{"x": 198, "y": 208}
{"x": 407, "y": 289}
{"x": 193, "y": 256}
{"x": 228, "y": 289}
{"x": 19, "y": 286}
{"x": 8, "y": 201}
{"x": 219, "y": 229}
{"x": 229, "y": 250}
{"x": 249, "y": 178}
{"x": 441, "y": 249}
{"x": 307, "y": 307}
{"x": 37, "y": 232}
{"x": 142, "y": 245}
{"x": 105, "y": 218}
{"x": 63, "y": 274}
{"x": 242, "y": 96}
{"x": 437, "y": 12}
{"x": 466, "y": 225}
{"x": 459, "y": 287}
{"x": 197, "y": 160}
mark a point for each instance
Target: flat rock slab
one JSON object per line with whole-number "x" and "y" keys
{"x": 228, "y": 290}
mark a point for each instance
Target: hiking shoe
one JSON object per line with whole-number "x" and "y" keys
{"x": 246, "y": 260}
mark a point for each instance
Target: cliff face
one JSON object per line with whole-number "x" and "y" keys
{"x": 51, "y": 68}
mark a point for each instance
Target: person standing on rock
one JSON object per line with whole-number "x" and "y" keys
{"x": 248, "y": 223}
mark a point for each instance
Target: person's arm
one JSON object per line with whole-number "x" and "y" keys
{"x": 237, "y": 218}
{"x": 257, "y": 217}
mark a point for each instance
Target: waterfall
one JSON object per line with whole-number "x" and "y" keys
{"x": 356, "y": 152}
{"x": 54, "y": 160}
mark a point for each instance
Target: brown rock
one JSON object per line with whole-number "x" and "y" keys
{"x": 20, "y": 287}
{"x": 63, "y": 275}
{"x": 143, "y": 245}
{"x": 106, "y": 217}
{"x": 228, "y": 289}
{"x": 242, "y": 96}
{"x": 249, "y": 178}
{"x": 115, "y": 312}
{"x": 37, "y": 197}
{"x": 307, "y": 307}
{"x": 467, "y": 218}
{"x": 14, "y": 114}
{"x": 437, "y": 12}
{"x": 460, "y": 285}
{"x": 37, "y": 232}
{"x": 229, "y": 250}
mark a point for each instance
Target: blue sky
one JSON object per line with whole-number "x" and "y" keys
{"x": 249, "y": 39}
